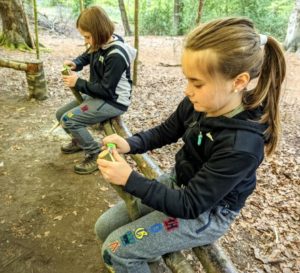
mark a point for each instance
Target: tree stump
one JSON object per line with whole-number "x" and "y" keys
{"x": 35, "y": 76}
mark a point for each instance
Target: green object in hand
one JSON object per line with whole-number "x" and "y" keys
{"x": 107, "y": 154}
{"x": 111, "y": 146}
{"x": 67, "y": 71}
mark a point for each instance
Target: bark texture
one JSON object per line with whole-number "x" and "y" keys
{"x": 124, "y": 17}
{"x": 37, "y": 86}
{"x": 200, "y": 11}
{"x": 15, "y": 26}
{"x": 292, "y": 40}
{"x": 136, "y": 40}
{"x": 178, "y": 9}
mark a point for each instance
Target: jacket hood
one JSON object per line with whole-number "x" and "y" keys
{"x": 131, "y": 51}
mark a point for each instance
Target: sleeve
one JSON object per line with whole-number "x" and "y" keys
{"x": 105, "y": 88}
{"x": 166, "y": 133}
{"x": 82, "y": 60}
{"x": 210, "y": 185}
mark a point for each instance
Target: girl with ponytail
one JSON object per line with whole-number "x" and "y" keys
{"x": 226, "y": 128}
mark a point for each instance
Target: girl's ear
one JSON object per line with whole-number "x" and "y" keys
{"x": 241, "y": 81}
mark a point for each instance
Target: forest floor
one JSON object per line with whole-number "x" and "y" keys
{"x": 48, "y": 212}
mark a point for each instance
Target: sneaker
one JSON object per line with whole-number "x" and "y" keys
{"x": 71, "y": 147}
{"x": 88, "y": 165}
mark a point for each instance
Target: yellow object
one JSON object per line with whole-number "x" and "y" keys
{"x": 106, "y": 154}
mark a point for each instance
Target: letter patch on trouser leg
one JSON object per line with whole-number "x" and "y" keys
{"x": 140, "y": 233}
{"x": 128, "y": 238}
{"x": 107, "y": 260}
{"x": 114, "y": 246}
{"x": 171, "y": 224}
{"x": 84, "y": 108}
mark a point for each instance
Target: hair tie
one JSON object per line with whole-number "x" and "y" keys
{"x": 263, "y": 39}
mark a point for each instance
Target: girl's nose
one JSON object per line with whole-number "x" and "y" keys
{"x": 188, "y": 91}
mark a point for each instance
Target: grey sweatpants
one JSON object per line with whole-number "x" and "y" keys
{"x": 74, "y": 118}
{"x": 128, "y": 246}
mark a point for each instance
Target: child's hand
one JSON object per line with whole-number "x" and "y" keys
{"x": 122, "y": 145}
{"x": 71, "y": 80}
{"x": 116, "y": 172}
{"x": 71, "y": 64}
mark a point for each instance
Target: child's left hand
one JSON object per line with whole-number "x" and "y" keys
{"x": 116, "y": 172}
{"x": 70, "y": 80}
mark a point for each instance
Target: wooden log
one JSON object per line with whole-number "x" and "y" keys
{"x": 130, "y": 201}
{"x": 35, "y": 76}
{"x": 13, "y": 64}
{"x": 66, "y": 71}
{"x": 37, "y": 86}
{"x": 212, "y": 257}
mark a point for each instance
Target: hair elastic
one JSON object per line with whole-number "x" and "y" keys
{"x": 263, "y": 39}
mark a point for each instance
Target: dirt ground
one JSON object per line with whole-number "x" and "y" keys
{"x": 48, "y": 212}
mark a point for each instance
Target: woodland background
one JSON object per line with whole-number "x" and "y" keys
{"x": 47, "y": 212}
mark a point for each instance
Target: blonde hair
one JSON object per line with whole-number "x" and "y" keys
{"x": 96, "y": 21}
{"x": 238, "y": 49}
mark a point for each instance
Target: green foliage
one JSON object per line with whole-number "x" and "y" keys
{"x": 156, "y": 19}
{"x": 157, "y": 16}
{"x": 270, "y": 16}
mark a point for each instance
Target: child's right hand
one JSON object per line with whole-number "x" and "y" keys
{"x": 122, "y": 145}
{"x": 71, "y": 64}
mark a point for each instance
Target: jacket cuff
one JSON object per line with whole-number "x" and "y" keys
{"x": 134, "y": 143}
{"x": 79, "y": 85}
{"x": 137, "y": 184}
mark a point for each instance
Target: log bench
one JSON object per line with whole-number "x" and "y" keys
{"x": 212, "y": 257}
{"x": 35, "y": 76}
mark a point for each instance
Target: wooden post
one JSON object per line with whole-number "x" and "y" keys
{"x": 130, "y": 201}
{"x": 136, "y": 40}
{"x": 35, "y": 76}
{"x": 37, "y": 46}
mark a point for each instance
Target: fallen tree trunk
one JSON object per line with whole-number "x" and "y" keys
{"x": 212, "y": 257}
{"x": 35, "y": 76}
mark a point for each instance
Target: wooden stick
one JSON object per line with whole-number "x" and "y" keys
{"x": 130, "y": 201}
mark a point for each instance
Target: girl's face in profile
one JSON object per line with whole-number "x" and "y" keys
{"x": 211, "y": 94}
{"x": 88, "y": 39}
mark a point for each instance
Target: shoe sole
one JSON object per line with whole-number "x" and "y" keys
{"x": 71, "y": 152}
{"x": 85, "y": 172}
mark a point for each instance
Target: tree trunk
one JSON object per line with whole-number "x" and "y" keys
{"x": 200, "y": 11}
{"x": 178, "y": 9}
{"x": 124, "y": 17}
{"x": 81, "y": 5}
{"x": 15, "y": 27}
{"x": 292, "y": 40}
{"x": 136, "y": 39}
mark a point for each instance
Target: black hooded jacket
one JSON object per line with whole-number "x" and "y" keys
{"x": 222, "y": 169}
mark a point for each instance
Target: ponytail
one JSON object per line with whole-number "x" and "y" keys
{"x": 267, "y": 92}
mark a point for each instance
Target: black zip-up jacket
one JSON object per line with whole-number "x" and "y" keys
{"x": 222, "y": 170}
{"x": 109, "y": 73}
